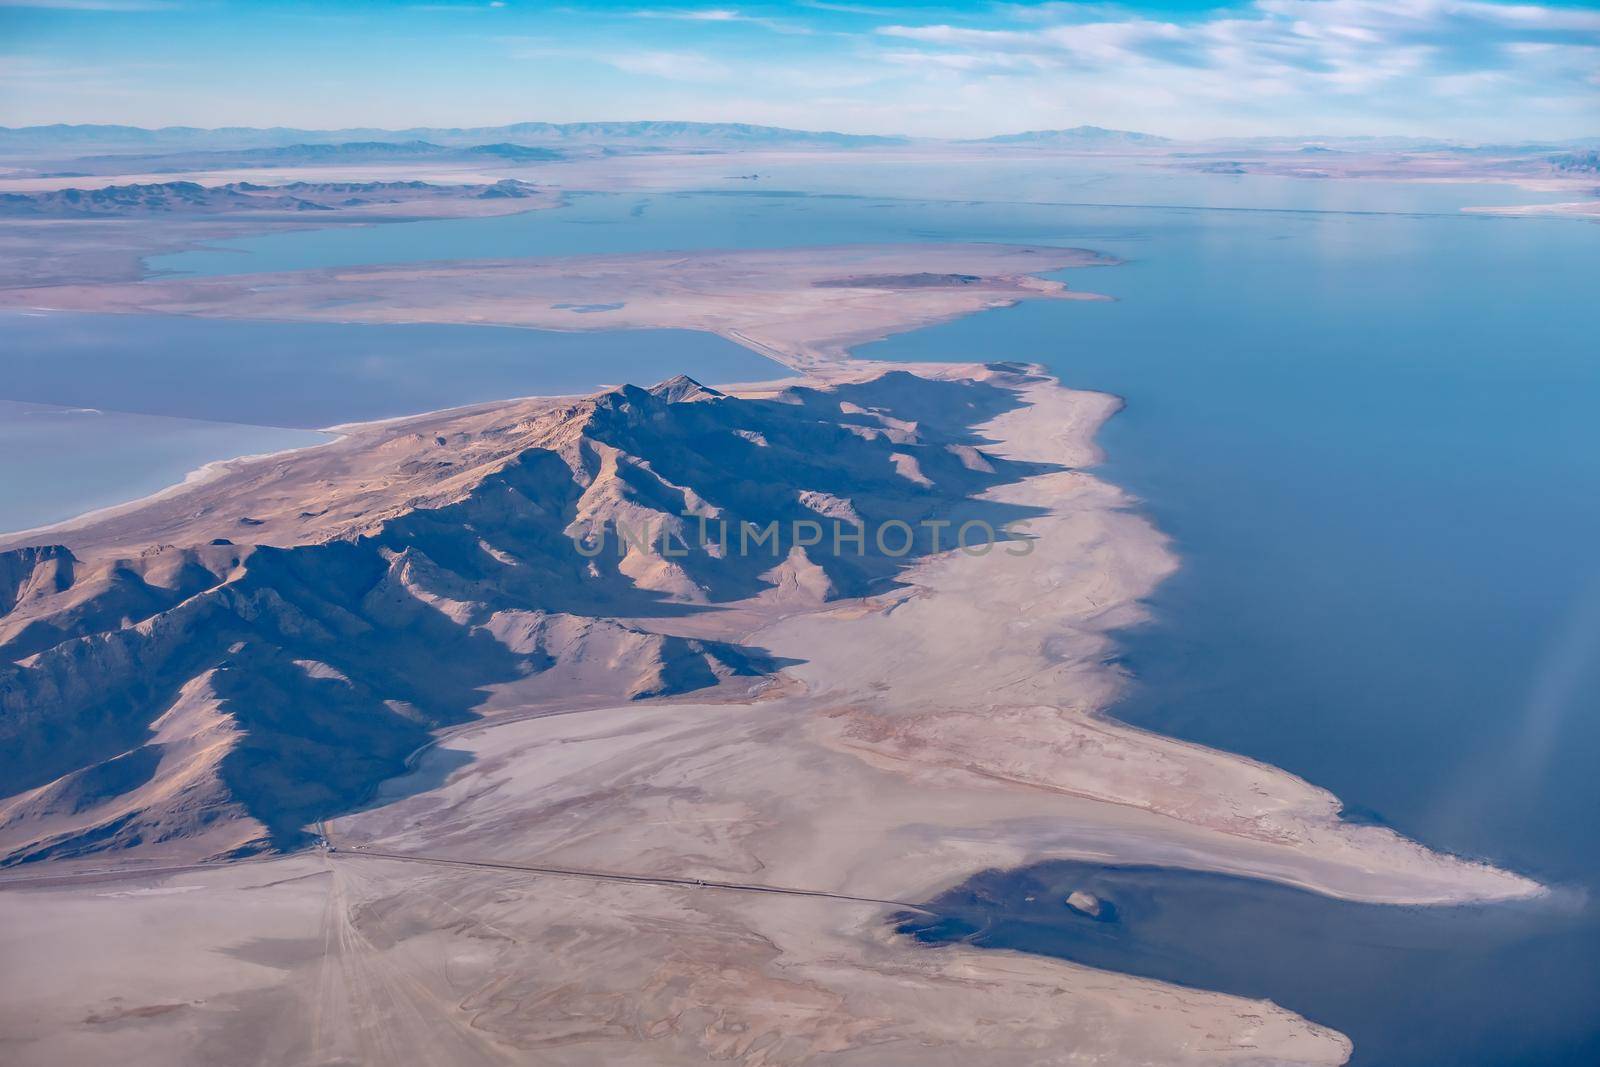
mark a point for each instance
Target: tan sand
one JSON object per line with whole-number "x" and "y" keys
{"x": 358, "y": 960}
{"x": 947, "y": 726}
{"x": 951, "y": 726}
{"x": 799, "y": 306}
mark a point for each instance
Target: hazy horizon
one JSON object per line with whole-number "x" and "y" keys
{"x": 1310, "y": 136}
{"x": 1466, "y": 70}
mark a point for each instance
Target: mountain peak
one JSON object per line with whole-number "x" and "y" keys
{"x": 681, "y": 388}
{"x": 485, "y": 559}
{"x": 1084, "y": 136}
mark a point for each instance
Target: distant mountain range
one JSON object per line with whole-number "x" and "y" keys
{"x": 1394, "y": 143}
{"x": 187, "y": 147}
{"x": 1578, "y": 162}
{"x": 123, "y": 139}
{"x": 297, "y": 155}
{"x": 1080, "y": 136}
{"x": 372, "y": 150}
{"x": 191, "y": 198}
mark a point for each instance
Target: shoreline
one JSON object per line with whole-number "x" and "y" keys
{"x": 1317, "y": 816}
{"x": 976, "y": 735}
{"x": 202, "y": 475}
{"x": 799, "y": 356}
{"x": 829, "y": 362}
{"x": 337, "y": 433}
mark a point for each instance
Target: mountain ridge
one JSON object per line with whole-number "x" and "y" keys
{"x": 187, "y": 197}
{"x": 1086, "y": 136}
{"x": 212, "y": 696}
{"x": 67, "y": 135}
{"x": 535, "y": 138}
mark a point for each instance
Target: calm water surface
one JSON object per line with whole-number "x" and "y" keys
{"x": 57, "y": 462}
{"x": 1409, "y": 985}
{"x": 1375, "y": 441}
{"x": 312, "y": 374}
{"x": 843, "y": 204}
{"x": 1369, "y": 423}
{"x": 101, "y": 409}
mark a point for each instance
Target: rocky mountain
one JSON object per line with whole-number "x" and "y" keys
{"x": 1080, "y": 137}
{"x": 89, "y": 139}
{"x": 302, "y": 155}
{"x": 286, "y": 643}
{"x": 192, "y": 147}
{"x": 1577, "y": 162}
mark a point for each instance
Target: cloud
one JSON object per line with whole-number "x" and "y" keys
{"x": 93, "y": 5}
{"x": 673, "y": 66}
{"x": 1473, "y": 69}
{"x": 1304, "y": 48}
{"x": 849, "y": 9}
{"x": 709, "y": 14}
{"x": 690, "y": 67}
{"x": 722, "y": 15}
{"x": 37, "y": 69}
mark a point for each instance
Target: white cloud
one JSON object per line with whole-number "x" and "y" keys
{"x": 708, "y": 14}
{"x": 93, "y": 5}
{"x": 1463, "y": 68}
{"x": 35, "y": 68}
{"x": 723, "y": 15}
{"x": 1389, "y": 58}
{"x": 673, "y": 66}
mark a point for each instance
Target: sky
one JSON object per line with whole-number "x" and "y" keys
{"x": 1469, "y": 69}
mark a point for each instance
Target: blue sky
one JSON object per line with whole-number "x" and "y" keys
{"x": 1465, "y": 68}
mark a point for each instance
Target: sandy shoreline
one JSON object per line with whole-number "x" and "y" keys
{"x": 204, "y": 474}
{"x": 952, "y": 723}
{"x": 767, "y": 302}
{"x": 795, "y": 306}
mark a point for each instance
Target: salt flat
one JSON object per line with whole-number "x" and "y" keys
{"x": 966, "y": 737}
{"x": 606, "y": 808}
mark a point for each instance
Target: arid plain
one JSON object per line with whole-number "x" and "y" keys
{"x": 635, "y": 808}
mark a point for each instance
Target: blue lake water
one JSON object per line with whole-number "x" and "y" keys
{"x": 843, "y": 204}
{"x": 1369, "y": 423}
{"x": 310, "y": 374}
{"x": 100, "y": 409}
{"x": 57, "y": 462}
{"x": 1375, "y": 442}
{"x": 1410, "y": 985}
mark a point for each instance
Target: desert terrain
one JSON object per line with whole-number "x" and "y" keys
{"x": 802, "y": 307}
{"x": 364, "y": 744}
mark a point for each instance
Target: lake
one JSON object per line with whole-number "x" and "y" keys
{"x": 314, "y": 374}
{"x": 1368, "y": 421}
{"x": 1410, "y": 985}
{"x": 1374, "y": 441}
{"x": 58, "y": 462}
{"x": 100, "y": 409}
{"x": 811, "y": 204}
